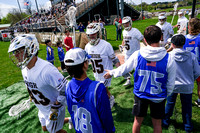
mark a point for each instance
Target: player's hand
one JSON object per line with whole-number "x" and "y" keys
{"x": 55, "y": 111}
{"x": 107, "y": 75}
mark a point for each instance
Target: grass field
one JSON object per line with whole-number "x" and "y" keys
{"x": 12, "y": 91}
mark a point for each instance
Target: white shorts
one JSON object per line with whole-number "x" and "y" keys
{"x": 52, "y": 126}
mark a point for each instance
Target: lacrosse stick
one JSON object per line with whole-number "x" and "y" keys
{"x": 17, "y": 109}
{"x": 70, "y": 19}
{"x": 175, "y": 8}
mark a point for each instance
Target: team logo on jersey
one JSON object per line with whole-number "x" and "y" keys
{"x": 82, "y": 100}
{"x": 95, "y": 55}
{"x": 151, "y": 63}
{"x": 30, "y": 84}
{"x": 192, "y": 43}
{"x": 59, "y": 80}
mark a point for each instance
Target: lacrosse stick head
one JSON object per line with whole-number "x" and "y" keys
{"x": 17, "y": 109}
{"x": 175, "y": 6}
{"x": 70, "y": 17}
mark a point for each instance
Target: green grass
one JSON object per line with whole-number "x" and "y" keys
{"x": 124, "y": 96}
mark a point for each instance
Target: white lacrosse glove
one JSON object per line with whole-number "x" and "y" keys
{"x": 55, "y": 111}
{"x": 62, "y": 100}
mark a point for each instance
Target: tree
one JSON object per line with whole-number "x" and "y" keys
{"x": 15, "y": 16}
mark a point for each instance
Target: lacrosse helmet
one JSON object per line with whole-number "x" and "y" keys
{"x": 93, "y": 28}
{"x": 126, "y": 20}
{"x": 22, "y": 49}
{"x": 162, "y": 18}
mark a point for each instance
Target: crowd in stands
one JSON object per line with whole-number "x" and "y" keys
{"x": 44, "y": 15}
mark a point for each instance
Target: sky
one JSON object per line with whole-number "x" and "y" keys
{"x": 8, "y": 5}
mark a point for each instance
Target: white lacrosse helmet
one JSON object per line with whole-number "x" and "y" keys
{"x": 93, "y": 28}
{"x": 126, "y": 20}
{"x": 162, "y": 18}
{"x": 27, "y": 44}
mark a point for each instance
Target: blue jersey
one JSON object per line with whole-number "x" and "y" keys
{"x": 50, "y": 57}
{"x": 150, "y": 78}
{"x": 61, "y": 54}
{"x": 84, "y": 113}
{"x": 193, "y": 45}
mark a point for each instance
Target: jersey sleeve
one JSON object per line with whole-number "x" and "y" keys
{"x": 138, "y": 34}
{"x": 54, "y": 78}
{"x": 171, "y": 31}
{"x": 103, "y": 109}
{"x": 110, "y": 52}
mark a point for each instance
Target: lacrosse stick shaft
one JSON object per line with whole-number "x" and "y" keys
{"x": 74, "y": 38}
{"x": 173, "y": 17}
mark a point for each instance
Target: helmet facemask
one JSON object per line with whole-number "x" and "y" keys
{"x": 94, "y": 41}
{"x": 127, "y": 28}
{"x": 127, "y": 23}
{"x": 162, "y": 21}
{"x": 93, "y": 33}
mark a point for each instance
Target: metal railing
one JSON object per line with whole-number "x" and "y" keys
{"x": 39, "y": 27}
{"x": 85, "y": 6}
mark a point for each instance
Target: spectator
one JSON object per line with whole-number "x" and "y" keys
{"x": 120, "y": 20}
{"x": 68, "y": 41}
{"x": 50, "y": 52}
{"x": 81, "y": 27}
{"x": 118, "y": 28}
{"x": 61, "y": 55}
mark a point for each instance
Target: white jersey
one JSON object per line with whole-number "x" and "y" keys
{"x": 101, "y": 58}
{"x": 182, "y": 22}
{"x": 167, "y": 31}
{"x": 132, "y": 40}
{"x": 43, "y": 82}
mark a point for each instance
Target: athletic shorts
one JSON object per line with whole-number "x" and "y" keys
{"x": 140, "y": 107}
{"x": 198, "y": 79}
{"x": 52, "y": 126}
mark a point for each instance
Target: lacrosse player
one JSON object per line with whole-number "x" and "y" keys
{"x": 165, "y": 27}
{"x": 87, "y": 100}
{"x": 43, "y": 81}
{"x": 184, "y": 82}
{"x": 153, "y": 79}
{"x": 102, "y": 56}
{"x": 192, "y": 44}
{"x": 182, "y": 23}
{"x": 130, "y": 43}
